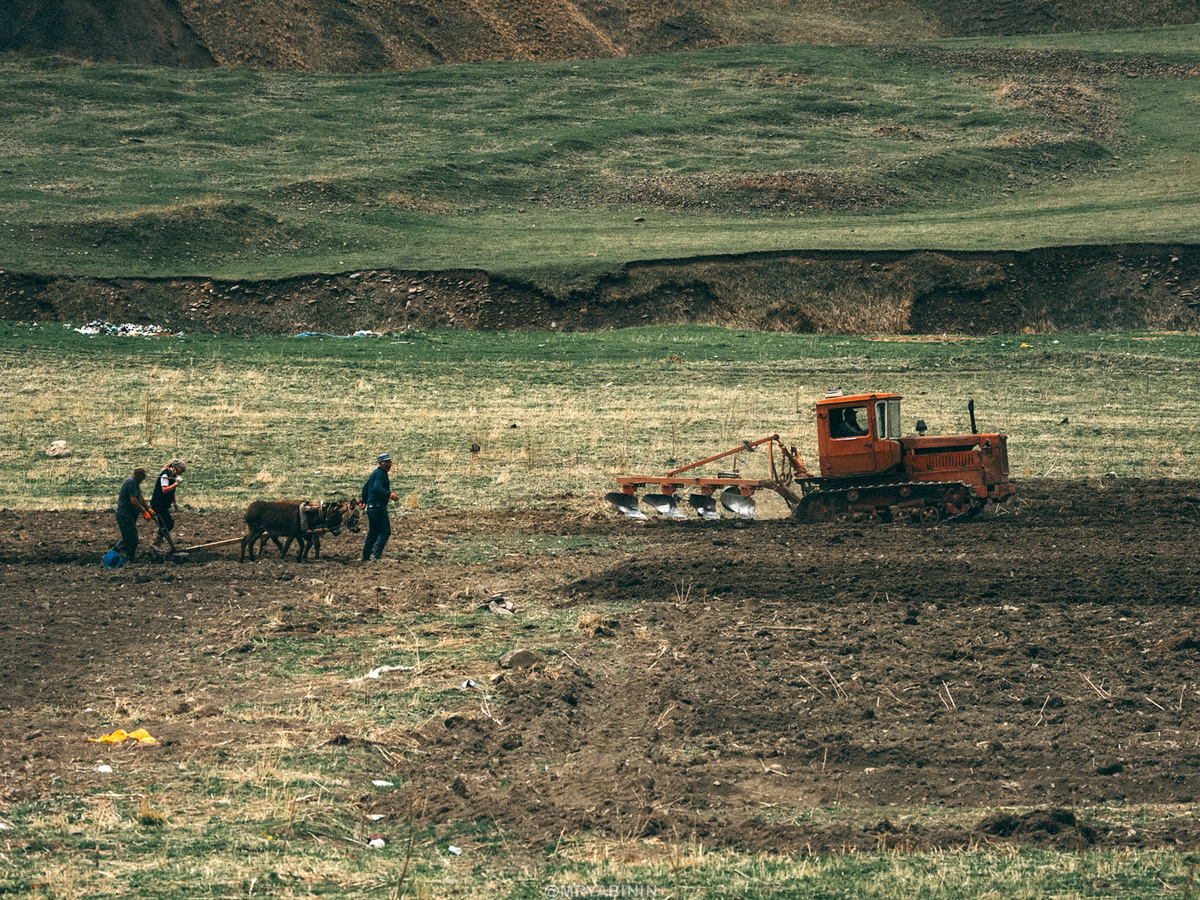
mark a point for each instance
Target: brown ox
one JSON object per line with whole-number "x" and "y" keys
{"x": 295, "y": 520}
{"x": 312, "y": 537}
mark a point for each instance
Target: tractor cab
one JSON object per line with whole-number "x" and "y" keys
{"x": 859, "y": 435}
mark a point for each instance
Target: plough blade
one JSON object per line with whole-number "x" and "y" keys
{"x": 626, "y": 503}
{"x": 704, "y": 505}
{"x": 734, "y": 501}
{"x": 665, "y": 505}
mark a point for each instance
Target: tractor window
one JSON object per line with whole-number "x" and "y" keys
{"x": 848, "y": 423}
{"x": 887, "y": 415}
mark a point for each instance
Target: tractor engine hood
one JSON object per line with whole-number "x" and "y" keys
{"x": 948, "y": 443}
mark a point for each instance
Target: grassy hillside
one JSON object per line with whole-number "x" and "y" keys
{"x": 551, "y": 170}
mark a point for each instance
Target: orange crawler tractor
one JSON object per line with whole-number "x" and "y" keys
{"x": 870, "y": 471}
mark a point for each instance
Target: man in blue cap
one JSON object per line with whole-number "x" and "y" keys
{"x": 375, "y": 496}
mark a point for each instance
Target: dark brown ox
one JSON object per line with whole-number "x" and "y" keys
{"x": 295, "y": 520}
{"x": 313, "y": 536}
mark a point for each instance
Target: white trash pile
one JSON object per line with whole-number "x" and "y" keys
{"x": 126, "y": 330}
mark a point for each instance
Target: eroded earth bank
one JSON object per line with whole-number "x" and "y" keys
{"x": 1134, "y": 287}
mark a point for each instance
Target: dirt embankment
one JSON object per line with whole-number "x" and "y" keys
{"x": 1152, "y": 287}
{"x": 372, "y": 35}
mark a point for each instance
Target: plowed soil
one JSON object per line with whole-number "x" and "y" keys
{"x": 727, "y": 679}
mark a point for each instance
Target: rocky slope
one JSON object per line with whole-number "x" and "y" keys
{"x": 369, "y": 35}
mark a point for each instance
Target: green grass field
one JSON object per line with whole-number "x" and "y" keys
{"x": 542, "y": 169}
{"x": 555, "y": 416}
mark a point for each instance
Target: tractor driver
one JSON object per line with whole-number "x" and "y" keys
{"x": 843, "y": 423}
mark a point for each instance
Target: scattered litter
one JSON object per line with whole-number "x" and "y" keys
{"x": 104, "y": 770}
{"x": 357, "y": 334}
{"x": 142, "y": 736}
{"x": 58, "y": 448}
{"x": 375, "y": 817}
{"x": 457, "y": 851}
{"x": 126, "y": 330}
{"x": 378, "y": 841}
{"x": 382, "y": 670}
{"x": 382, "y": 783}
{"x": 469, "y": 685}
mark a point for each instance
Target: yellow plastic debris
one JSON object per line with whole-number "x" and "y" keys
{"x": 115, "y": 738}
{"x": 142, "y": 736}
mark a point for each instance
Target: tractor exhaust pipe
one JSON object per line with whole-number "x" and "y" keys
{"x": 971, "y": 410}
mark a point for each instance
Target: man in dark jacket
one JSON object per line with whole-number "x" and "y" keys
{"x": 131, "y": 506}
{"x": 375, "y": 496}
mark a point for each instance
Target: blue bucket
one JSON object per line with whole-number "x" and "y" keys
{"x": 113, "y": 560}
